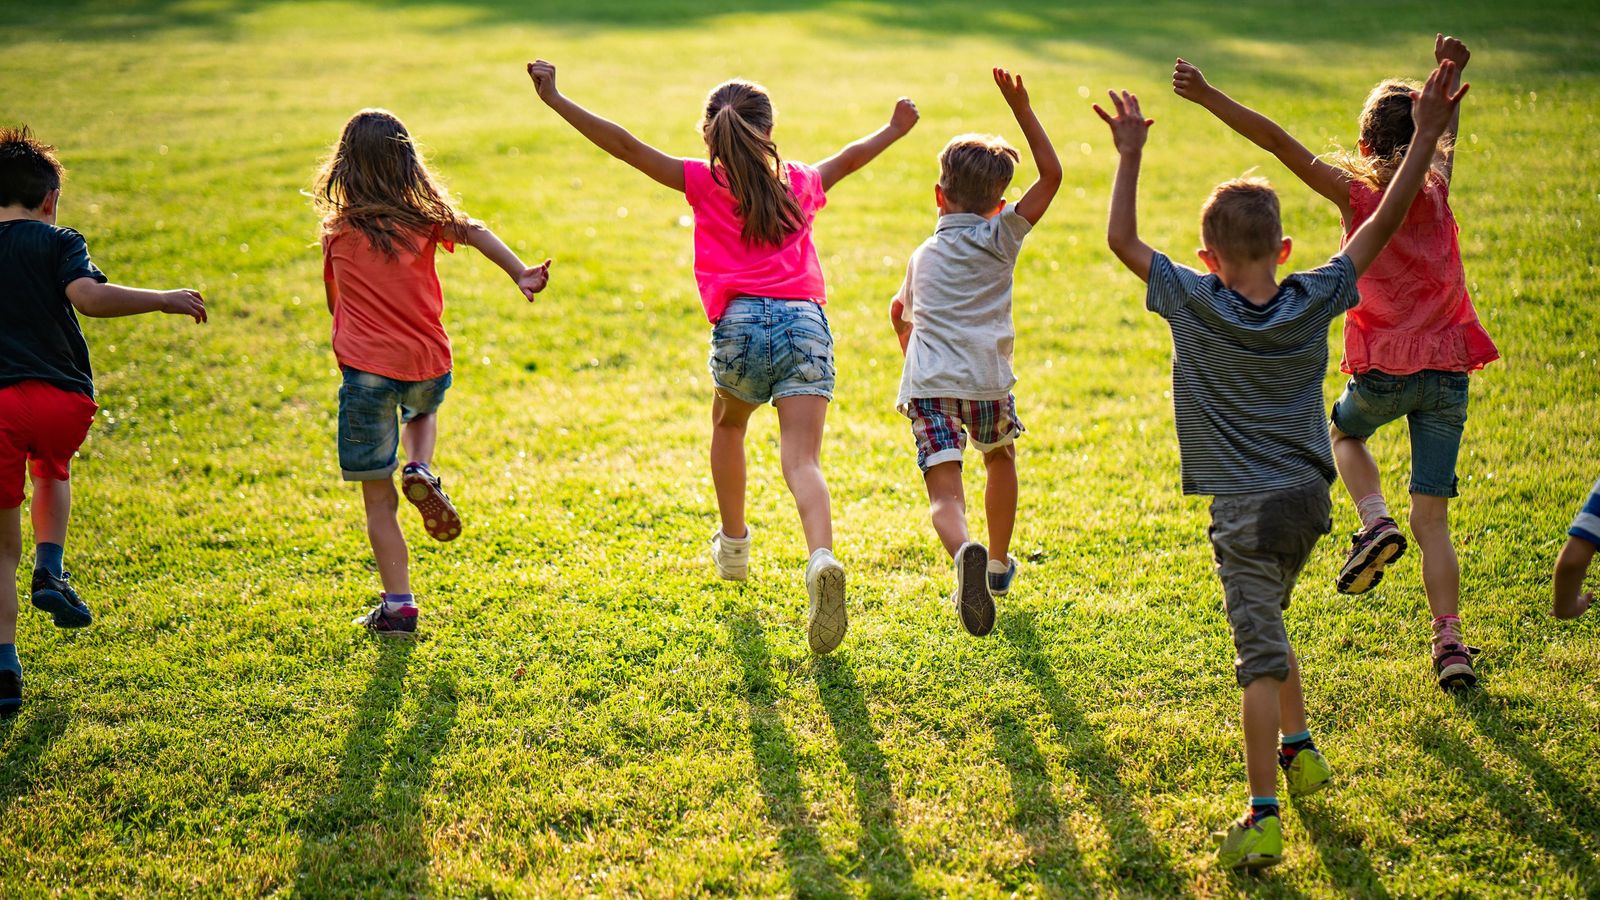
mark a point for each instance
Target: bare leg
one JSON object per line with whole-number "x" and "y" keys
{"x": 948, "y": 504}
{"x": 52, "y": 506}
{"x": 10, "y": 558}
{"x": 1000, "y": 499}
{"x": 1357, "y": 469}
{"x": 1291, "y": 702}
{"x": 800, "y": 422}
{"x": 1260, "y": 716}
{"x": 1441, "y": 572}
{"x": 383, "y": 530}
{"x": 419, "y": 436}
{"x": 729, "y": 418}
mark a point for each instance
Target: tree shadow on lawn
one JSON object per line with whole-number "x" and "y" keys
{"x": 368, "y": 836}
{"x": 25, "y": 747}
{"x": 1052, "y": 847}
{"x": 1140, "y": 859}
{"x": 1340, "y": 849}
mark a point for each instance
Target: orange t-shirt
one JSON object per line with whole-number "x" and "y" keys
{"x": 387, "y": 313}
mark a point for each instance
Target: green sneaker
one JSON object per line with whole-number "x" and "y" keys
{"x": 1251, "y": 845}
{"x": 1307, "y": 771}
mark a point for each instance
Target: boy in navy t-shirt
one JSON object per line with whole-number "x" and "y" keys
{"x": 46, "y": 386}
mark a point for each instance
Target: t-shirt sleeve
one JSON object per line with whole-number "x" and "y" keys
{"x": 903, "y": 296}
{"x": 72, "y": 259}
{"x": 1170, "y": 285}
{"x": 806, "y": 182}
{"x": 1006, "y": 232}
{"x": 1333, "y": 284}
{"x": 696, "y": 176}
{"x": 1587, "y": 525}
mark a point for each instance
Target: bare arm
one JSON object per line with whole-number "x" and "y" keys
{"x": 1329, "y": 181}
{"x": 108, "y": 301}
{"x": 1430, "y": 111}
{"x": 857, "y": 154}
{"x": 1036, "y": 200}
{"x": 1454, "y": 50}
{"x": 902, "y": 325}
{"x": 530, "y": 281}
{"x": 605, "y": 134}
{"x": 1129, "y": 129}
{"x": 1571, "y": 600}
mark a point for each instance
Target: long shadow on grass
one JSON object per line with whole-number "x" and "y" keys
{"x": 1340, "y": 849}
{"x": 1140, "y": 859}
{"x": 369, "y": 835}
{"x": 26, "y": 737}
{"x": 1052, "y": 847}
{"x": 882, "y": 852}
{"x": 778, "y": 767}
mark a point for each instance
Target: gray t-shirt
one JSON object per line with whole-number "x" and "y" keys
{"x": 957, "y": 297}
{"x": 1247, "y": 379}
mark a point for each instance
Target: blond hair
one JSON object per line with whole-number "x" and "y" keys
{"x": 738, "y": 130}
{"x": 974, "y": 170}
{"x": 376, "y": 182}
{"x": 1241, "y": 220}
{"x": 1386, "y": 130}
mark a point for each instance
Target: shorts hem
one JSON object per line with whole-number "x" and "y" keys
{"x": 1425, "y": 491}
{"x": 1245, "y": 678}
{"x": 952, "y": 454}
{"x": 1006, "y": 441}
{"x": 370, "y": 474}
{"x": 805, "y": 392}
{"x": 1333, "y": 419}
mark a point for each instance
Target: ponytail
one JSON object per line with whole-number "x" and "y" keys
{"x": 738, "y": 132}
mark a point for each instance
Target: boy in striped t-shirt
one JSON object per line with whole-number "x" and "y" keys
{"x": 1572, "y": 566}
{"x": 1249, "y": 356}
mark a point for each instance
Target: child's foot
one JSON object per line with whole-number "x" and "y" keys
{"x": 1252, "y": 842}
{"x": 10, "y": 691}
{"x": 388, "y": 620}
{"x": 1370, "y": 551}
{"x": 731, "y": 556}
{"x": 56, "y": 597}
{"x": 1305, "y": 770}
{"x": 1000, "y": 577}
{"x": 971, "y": 597}
{"x": 426, "y": 493}
{"x": 1452, "y": 665}
{"x": 826, "y": 620}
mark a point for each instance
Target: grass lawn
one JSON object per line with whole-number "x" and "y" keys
{"x": 590, "y": 711}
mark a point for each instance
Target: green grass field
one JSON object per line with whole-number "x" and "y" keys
{"x": 591, "y": 712}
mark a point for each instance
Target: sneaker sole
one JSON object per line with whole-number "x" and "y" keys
{"x": 439, "y": 517}
{"x": 61, "y": 609}
{"x": 1259, "y": 861}
{"x": 1458, "y": 677}
{"x": 972, "y": 591}
{"x": 1363, "y": 572}
{"x": 1311, "y": 789}
{"x": 828, "y": 620}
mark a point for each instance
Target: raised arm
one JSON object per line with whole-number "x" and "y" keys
{"x": 605, "y": 134}
{"x": 530, "y": 280}
{"x": 1449, "y": 48}
{"x": 1328, "y": 180}
{"x": 108, "y": 301}
{"x": 857, "y": 154}
{"x": 1430, "y": 112}
{"x": 1037, "y": 198}
{"x": 1129, "y": 129}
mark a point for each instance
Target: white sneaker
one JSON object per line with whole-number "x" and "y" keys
{"x": 826, "y": 620}
{"x": 731, "y": 556}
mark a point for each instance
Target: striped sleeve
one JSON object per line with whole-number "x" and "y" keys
{"x": 1333, "y": 283}
{"x": 1170, "y": 286}
{"x": 1587, "y": 524}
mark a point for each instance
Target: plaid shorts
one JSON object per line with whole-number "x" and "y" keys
{"x": 941, "y": 426}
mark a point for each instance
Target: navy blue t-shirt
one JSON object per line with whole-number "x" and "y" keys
{"x": 39, "y": 334}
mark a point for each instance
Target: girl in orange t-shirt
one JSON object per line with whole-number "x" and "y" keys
{"x": 1408, "y": 346}
{"x": 383, "y": 215}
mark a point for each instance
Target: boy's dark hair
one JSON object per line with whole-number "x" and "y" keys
{"x": 1241, "y": 220}
{"x": 29, "y": 170}
{"x": 974, "y": 170}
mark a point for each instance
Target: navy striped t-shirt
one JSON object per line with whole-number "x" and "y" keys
{"x": 39, "y": 334}
{"x": 1247, "y": 379}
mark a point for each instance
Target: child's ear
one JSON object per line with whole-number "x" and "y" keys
{"x": 1285, "y": 250}
{"x": 1209, "y": 258}
{"x": 1362, "y": 146}
{"x": 938, "y": 197}
{"x": 51, "y": 201}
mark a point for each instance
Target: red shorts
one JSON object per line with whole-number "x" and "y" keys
{"x": 42, "y": 423}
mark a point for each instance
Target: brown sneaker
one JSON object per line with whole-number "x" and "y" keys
{"x": 425, "y": 492}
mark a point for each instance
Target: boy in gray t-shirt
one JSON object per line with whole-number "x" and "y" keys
{"x": 953, "y": 315}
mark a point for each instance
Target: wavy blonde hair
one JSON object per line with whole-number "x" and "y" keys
{"x": 376, "y": 182}
{"x": 1386, "y": 132}
{"x": 738, "y": 130}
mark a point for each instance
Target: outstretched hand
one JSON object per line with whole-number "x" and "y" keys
{"x": 1188, "y": 82}
{"x": 905, "y": 115}
{"x": 1129, "y": 127}
{"x": 1452, "y": 49}
{"x": 1011, "y": 88}
{"x": 185, "y": 302}
{"x": 1432, "y": 107}
{"x": 534, "y": 280}
{"x": 543, "y": 74}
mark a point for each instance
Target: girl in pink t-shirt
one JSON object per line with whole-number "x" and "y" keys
{"x": 762, "y": 289}
{"x": 1408, "y": 346}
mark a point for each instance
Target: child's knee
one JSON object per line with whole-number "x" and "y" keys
{"x": 380, "y": 496}
{"x": 1429, "y": 516}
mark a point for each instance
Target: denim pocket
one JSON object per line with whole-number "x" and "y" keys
{"x": 730, "y": 354}
{"x": 365, "y": 413}
{"x": 812, "y": 345}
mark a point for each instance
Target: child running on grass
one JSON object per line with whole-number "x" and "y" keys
{"x": 1408, "y": 347}
{"x": 761, "y": 285}
{"x": 46, "y": 385}
{"x": 383, "y": 216}
{"x": 953, "y": 315}
{"x": 1572, "y": 566}
{"x": 1249, "y": 354}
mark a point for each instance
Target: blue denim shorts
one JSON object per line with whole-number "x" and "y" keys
{"x": 766, "y": 349}
{"x": 369, "y": 435}
{"x": 1435, "y": 407}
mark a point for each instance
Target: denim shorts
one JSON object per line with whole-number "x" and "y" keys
{"x": 369, "y": 435}
{"x": 941, "y": 426}
{"x": 766, "y": 349}
{"x": 1435, "y": 407}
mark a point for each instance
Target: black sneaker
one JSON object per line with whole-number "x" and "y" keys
{"x": 398, "y": 623}
{"x": 1370, "y": 551}
{"x": 971, "y": 597}
{"x": 56, "y": 597}
{"x": 10, "y": 691}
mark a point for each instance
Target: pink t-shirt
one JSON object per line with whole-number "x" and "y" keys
{"x": 726, "y": 267}
{"x": 1414, "y": 312}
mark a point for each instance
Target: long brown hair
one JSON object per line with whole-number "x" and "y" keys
{"x": 1386, "y": 131}
{"x": 738, "y": 131}
{"x": 376, "y": 182}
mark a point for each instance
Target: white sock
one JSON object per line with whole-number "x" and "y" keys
{"x": 1371, "y": 508}
{"x": 996, "y": 567}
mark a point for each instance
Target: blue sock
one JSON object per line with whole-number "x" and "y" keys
{"x": 1261, "y": 807}
{"x": 8, "y": 659}
{"x": 393, "y": 602}
{"x": 48, "y": 556}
